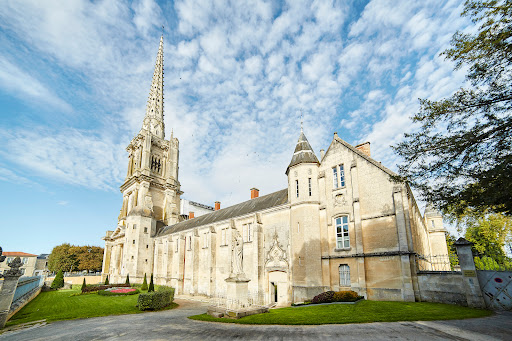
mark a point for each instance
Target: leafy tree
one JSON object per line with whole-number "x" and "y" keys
{"x": 452, "y": 250}
{"x": 68, "y": 257}
{"x": 151, "y": 285}
{"x": 106, "y": 281}
{"x": 127, "y": 279}
{"x": 461, "y": 157}
{"x": 84, "y": 285}
{"x": 144, "y": 284}
{"x": 489, "y": 235}
{"x": 62, "y": 258}
{"x": 58, "y": 281}
{"x": 89, "y": 257}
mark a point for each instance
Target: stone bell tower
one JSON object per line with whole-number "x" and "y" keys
{"x": 152, "y": 176}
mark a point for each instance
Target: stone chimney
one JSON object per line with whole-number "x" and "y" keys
{"x": 217, "y": 205}
{"x": 365, "y": 148}
{"x": 322, "y": 153}
{"x": 255, "y": 193}
{"x": 190, "y": 215}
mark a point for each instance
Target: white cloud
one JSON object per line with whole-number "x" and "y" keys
{"x": 25, "y": 87}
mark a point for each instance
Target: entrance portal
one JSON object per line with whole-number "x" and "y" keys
{"x": 278, "y": 287}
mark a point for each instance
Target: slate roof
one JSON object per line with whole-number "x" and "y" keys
{"x": 251, "y": 206}
{"x": 303, "y": 153}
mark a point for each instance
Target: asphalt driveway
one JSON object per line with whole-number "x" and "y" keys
{"x": 174, "y": 325}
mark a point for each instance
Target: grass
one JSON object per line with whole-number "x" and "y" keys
{"x": 363, "y": 312}
{"x": 66, "y": 305}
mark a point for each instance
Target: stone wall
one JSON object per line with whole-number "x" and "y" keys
{"x": 442, "y": 287}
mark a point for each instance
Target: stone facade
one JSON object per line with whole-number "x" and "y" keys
{"x": 341, "y": 224}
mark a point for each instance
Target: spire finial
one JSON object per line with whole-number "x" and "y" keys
{"x": 301, "y": 121}
{"x": 154, "y": 120}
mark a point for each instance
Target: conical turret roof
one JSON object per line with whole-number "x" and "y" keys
{"x": 303, "y": 153}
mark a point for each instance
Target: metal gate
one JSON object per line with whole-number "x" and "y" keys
{"x": 496, "y": 288}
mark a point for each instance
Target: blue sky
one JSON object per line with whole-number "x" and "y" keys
{"x": 75, "y": 76}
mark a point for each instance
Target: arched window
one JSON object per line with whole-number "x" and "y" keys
{"x": 344, "y": 275}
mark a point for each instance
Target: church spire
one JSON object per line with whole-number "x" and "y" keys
{"x": 154, "y": 119}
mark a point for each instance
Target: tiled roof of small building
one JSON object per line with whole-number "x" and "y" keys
{"x": 17, "y": 254}
{"x": 251, "y": 206}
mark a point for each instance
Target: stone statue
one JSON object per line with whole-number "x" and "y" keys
{"x": 148, "y": 202}
{"x": 14, "y": 267}
{"x": 237, "y": 251}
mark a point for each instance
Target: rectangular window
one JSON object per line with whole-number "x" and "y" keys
{"x": 297, "y": 187}
{"x": 134, "y": 241}
{"x": 337, "y": 183}
{"x": 145, "y": 230}
{"x": 22, "y": 271}
{"x": 205, "y": 240}
{"x": 25, "y": 260}
{"x": 189, "y": 242}
{"x": 224, "y": 236}
{"x": 342, "y": 238}
{"x": 344, "y": 275}
{"x": 177, "y": 244}
{"x": 134, "y": 226}
{"x": 309, "y": 181}
{"x": 342, "y": 176}
{"x": 247, "y": 231}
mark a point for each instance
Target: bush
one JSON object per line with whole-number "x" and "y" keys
{"x": 156, "y": 299}
{"x": 336, "y": 296}
{"x": 144, "y": 284}
{"x": 92, "y": 288}
{"x": 110, "y": 293}
{"x": 84, "y": 285}
{"x": 58, "y": 281}
{"x": 345, "y": 296}
{"x": 106, "y": 281}
{"x": 151, "y": 285}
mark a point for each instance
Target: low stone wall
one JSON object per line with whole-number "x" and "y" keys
{"x": 77, "y": 280}
{"x": 442, "y": 287}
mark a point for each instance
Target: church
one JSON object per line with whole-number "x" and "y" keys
{"x": 340, "y": 223}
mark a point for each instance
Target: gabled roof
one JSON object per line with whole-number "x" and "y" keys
{"x": 17, "y": 254}
{"x": 303, "y": 153}
{"x": 251, "y": 206}
{"x": 361, "y": 154}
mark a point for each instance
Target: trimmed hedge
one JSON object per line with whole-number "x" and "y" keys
{"x": 91, "y": 288}
{"x": 336, "y": 296}
{"x": 156, "y": 299}
{"x": 110, "y": 293}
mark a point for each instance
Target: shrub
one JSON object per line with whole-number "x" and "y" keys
{"x": 345, "y": 296}
{"x": 110, "y": 293}
{"x": 58, "y": 281}
{"x": 325, "y": 297}
{"x": 336, "y": 296}
{"x": 127, "y": 279}
{"x": 84, "y": 285}
{"x": 106, "y": 281}
{"x": 156, "y": 299}
{"x": 144, "y": 284}
{"x": 151, "y": 285}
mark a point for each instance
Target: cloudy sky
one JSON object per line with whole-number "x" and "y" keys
{"x": 75, "y": 76}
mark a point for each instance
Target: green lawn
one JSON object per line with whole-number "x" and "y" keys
{"x": 61, "y": 305}
{"x": 362, "y": 312}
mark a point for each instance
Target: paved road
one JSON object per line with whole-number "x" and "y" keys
{"x": 174, "y": 325}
